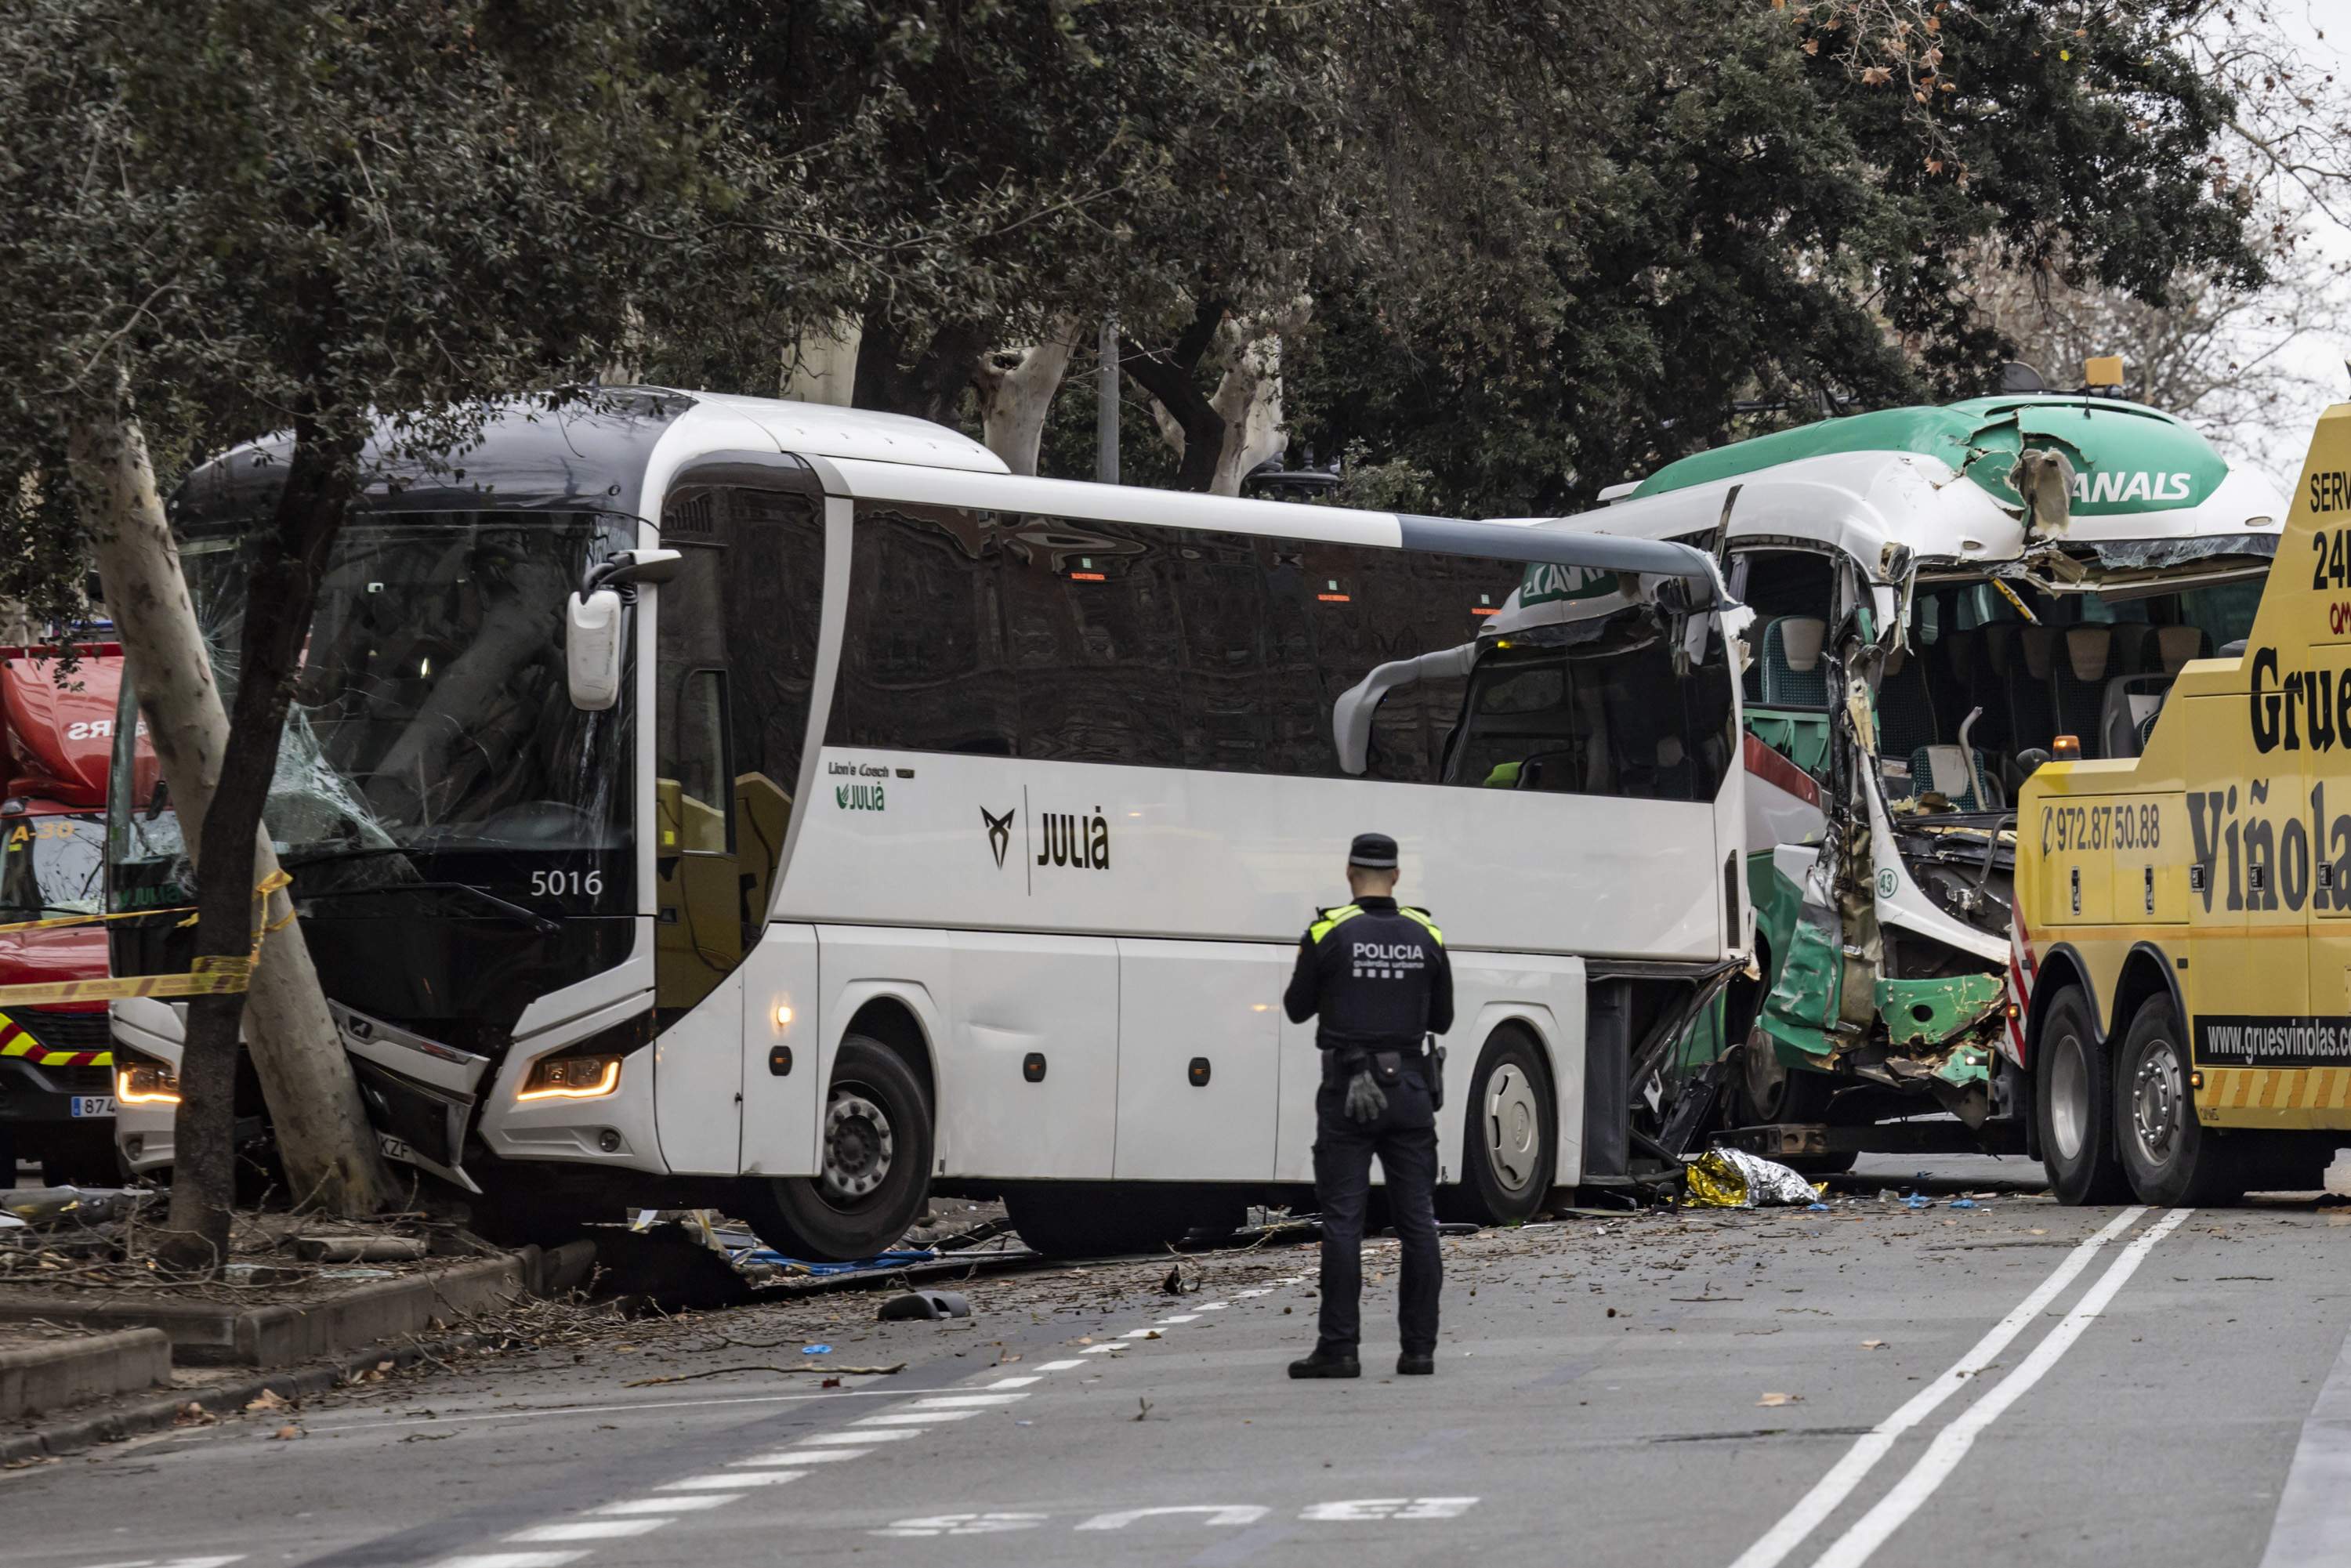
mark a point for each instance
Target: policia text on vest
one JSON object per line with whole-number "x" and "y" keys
{"x": 1374, "y": 976}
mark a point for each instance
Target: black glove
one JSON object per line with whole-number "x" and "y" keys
{"x": 1365, "y": 1100}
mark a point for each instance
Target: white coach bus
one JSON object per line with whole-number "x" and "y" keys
{"x": 705, "y": 799}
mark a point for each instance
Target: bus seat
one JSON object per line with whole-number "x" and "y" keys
{"x": 1792, "y": 673}
{"x": 2032, "y": 707}
{"x": 1944, "y": 770}
{"x": 2134, "y": 649}
{"x": 2175, "y": 645}
{"x": 2079, "y": 682}
{"x": 1906, "y": 709}
{"x": 2127, "y": 713}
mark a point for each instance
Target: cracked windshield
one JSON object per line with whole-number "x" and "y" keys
{"x": 432, "y": 746}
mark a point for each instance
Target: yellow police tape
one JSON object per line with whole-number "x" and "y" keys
{"x": 218, "y": 976}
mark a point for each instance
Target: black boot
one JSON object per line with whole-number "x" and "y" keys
{"x": 1327, "y": 1363}
{"x": 1411, "y": 1365}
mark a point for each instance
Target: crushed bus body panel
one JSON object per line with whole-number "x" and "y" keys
{"x": 1937, "y": 593}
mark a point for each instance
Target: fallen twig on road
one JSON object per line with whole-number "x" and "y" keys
{"x": 829, "y": 1371}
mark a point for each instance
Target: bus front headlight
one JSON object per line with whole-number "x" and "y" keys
{"x": 571, "y": 1078}
{"x": 146, "y": 1083}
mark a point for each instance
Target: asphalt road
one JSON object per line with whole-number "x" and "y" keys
{"x": 2009, "y": 1382}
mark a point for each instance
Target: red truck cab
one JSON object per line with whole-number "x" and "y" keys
{"x": 56, "y": 1080}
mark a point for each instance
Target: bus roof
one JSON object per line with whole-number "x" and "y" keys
{"x": 2145, "y": 484}
{"x": 620, "y": 449}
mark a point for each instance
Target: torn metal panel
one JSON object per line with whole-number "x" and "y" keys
{"x": 1935, "y": 1012}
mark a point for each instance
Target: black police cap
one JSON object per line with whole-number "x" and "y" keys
{"x": 1373, "y": 852}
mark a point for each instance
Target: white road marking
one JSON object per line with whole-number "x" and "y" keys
{"x": 1101, "y": 1349}
{"x": 1060, "y": 1366}
{"x": 1182, "y": 1318}
{"x": 1241, "y": 1513}
{"x": 827, "y": 1439}
{"x": 590, "y": 1530}
{"x": 2313, "y": 1526}
{"x": 727, "y": 1483}
{"x": 916, "y": 1418}
{"x": 541, "y": 1415}
{"x": 965, "y": 1401}
{"x": 1245, "y": 1295}
{"x": 1848, "y": 1473}
{"x": 1140, "y": 1333}
{"x": 1952, "y": 1444}
{"x": 513, "y": 1560}
{"x": 176, "y": 1561}
{"x": 1363, "y": 1508}
{"x": 1214, "y": 1306}
{"x": 1020, "y": 1382}
{"x": 667, "y": 1504}
{"x": 800, "y": 1457}
{"x": 963, "y": 1524}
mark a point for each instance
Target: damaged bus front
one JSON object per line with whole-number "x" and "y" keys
{"x": 1938, "y": 595}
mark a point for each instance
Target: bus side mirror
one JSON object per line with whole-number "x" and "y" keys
{"x": 594, "y": 624}
{"x": 591, "y": 648}
{"x": 1351, "y": 714}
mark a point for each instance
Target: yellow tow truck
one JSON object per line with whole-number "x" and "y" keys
{"x": 2181, "y": 947}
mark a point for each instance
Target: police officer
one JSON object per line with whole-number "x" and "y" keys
{"x": 1375, "y": 973}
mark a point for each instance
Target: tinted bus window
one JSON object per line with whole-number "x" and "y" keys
{"x": 1605, "y": 718}
{"x": 923, "y": 663}
{"x": 1091, "y": 621}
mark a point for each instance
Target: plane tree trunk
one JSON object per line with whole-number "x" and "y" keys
{"x": 218, "y": 768}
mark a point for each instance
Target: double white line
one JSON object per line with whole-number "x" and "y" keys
{"x": 1854, "y": 1547}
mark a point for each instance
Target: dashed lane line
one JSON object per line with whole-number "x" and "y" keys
{"x": 1950, "y": 1446}
{"x": 738, "y": 1478}
{"x": 629, "y": 1505}
{"x": 632, "y": 1517}
{"x": 589, "y": 1530}
{"x": 1848, "y": 1473}
{"x": 544, "y": 1412}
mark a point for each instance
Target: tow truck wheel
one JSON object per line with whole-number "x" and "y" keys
{"x": 2167, "y": 1154}
{"x": 875, "y": 1178}
{"x": 2072, "y": 1099}
{"x": 1510, "y": 1149}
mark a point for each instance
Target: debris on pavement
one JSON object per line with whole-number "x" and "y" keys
{"x": 925, "y": 1305}
{"x": 1733, "y": 1179}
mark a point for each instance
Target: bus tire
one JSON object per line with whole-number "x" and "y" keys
{"x": 1099, "y": 1218}
{"x": 2071, "y": 1104}
{"x": 2167, "y": 1154}
{"x": 1771, "y": 1092}
{"x": 876, "y": 1176}
{"x": 1510, "y": 1147}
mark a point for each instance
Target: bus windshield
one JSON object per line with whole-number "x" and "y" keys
{"x": 52, "y": 864}
{"x": 431, "y": 739}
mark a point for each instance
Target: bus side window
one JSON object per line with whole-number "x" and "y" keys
{"x": 696, "y": 785}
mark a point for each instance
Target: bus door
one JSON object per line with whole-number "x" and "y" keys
{"x": 734, "y": 656}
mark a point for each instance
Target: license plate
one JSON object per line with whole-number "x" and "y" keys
{"x": 93, "y": 1104}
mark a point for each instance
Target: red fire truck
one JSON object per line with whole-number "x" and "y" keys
{"x": 57, "y": 1088}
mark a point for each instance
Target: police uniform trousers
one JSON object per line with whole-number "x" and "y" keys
{"x": 1405, "y": 1139}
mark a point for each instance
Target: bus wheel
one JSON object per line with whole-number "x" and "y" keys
{"x": 1511, "y": 1146}
{"x": 2071, "y": 1098}
{"x": 1769, "y": 1090}
{"x": 876, "y": 1163}
{"x": 2168, "y": 1156}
